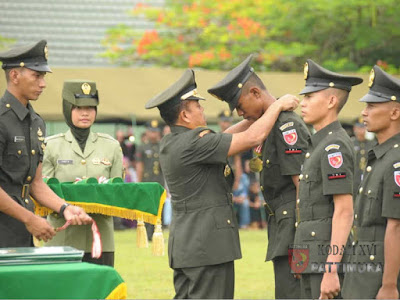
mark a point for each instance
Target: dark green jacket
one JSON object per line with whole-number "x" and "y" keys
{"x": 22, "y": 133}
{"x": 282, "y": 155}
{"x": 328, "y": 170}
{"x": 378, "y": 199}
{"x": 204, "y": 230}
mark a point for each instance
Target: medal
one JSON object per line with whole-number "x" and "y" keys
{"x": 256, "y": 164}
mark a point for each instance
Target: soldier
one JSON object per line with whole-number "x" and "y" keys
{"x": 204, "y": 240}
{"x": 361, "y": 148}
{"x": 281, "y": 154}
{"x": 148, "y": 161}
{"x": 376, "y": 228}
{"x": 325, "y": 203}
{"x": 82, "y": 153}
{"x": 22, "y": 134}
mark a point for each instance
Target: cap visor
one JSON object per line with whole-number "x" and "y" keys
{"x": 372, "y": 98}
{"x": 40, "y": 68}
{"x": 87, "y": 102}
{"x": 312, "y": 89}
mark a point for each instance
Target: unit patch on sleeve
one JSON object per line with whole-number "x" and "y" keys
{"x": 335, "y": 159}
{"x": 336, "y": 176}
{"x": 332, "y": 146}
{"x": 290, "y": 136}
{"x": 286, "y": 125}
{"x": 397, "y": 177}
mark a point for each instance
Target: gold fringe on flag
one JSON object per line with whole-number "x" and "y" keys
{"x": 120, "y": 292}
{"x": 158, "y": 240}
{"x": 141, "y": 235}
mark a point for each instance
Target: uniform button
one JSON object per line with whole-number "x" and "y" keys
{"x": 298, "y": 201}
{"x": 306, "y": 176}
{"x": 83, "y": 162}
{"x": 372, "y": 257}
{"x": 228, "y": 221}
{"x": 369, "y": 192}
{"x": 262, "y": 189}
{"x": 330, "y": 132}
{"x": 396, "y": 146}
{"x": 369, "y": 168}
{"x": 267, "y": 161}
{"x": 26, "y": 201}
{"x": 353, "y": 243}
{"x": 362, "y": 152}
{"x": 308, "y": 154}
{"x": 8, "y": 105}
{"x": 301, "y": 176}
{"x": 19, "y": 152}
{"x": 313, "y": 233}
{"x": 33, "y": 152}
{"x": 355, "y": 216}
{"x": 284, "y": 212}
{"x": 360, "y": 190}
{"x": 29, "y": 178}
{"x": 296, "y": 224}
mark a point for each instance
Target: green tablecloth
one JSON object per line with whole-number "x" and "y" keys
{"x": 126, "y": 200}
{"x": 61, "y": 281}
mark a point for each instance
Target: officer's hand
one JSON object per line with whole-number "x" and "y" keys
{"x": 40, "y": 228}
{"x": 288, "y": 102}
{"x": 330, "y": 285}
{"x": 76, "y": 215}
{"x": 388, "y": 292}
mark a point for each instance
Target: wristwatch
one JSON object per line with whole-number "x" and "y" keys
{"x": 62, "y": 209}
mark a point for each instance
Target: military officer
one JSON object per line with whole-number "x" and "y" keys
{"x": 22, "y": 133}
{"x": 376, "y": 228}
{"x": 279, "y": 160}
{"x": 325, "y": 203}
{"x": 148, "y": 161}
{"x": 82, "y": 153}
{"x": 204, "y": 240}
{"x": 361, "y": 147}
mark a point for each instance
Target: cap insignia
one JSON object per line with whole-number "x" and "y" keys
{"x": 86, "y": 88}
{"x": 46, "y": 52}
{"x": 371, "y": 78}
{"x": 305, "y": 70}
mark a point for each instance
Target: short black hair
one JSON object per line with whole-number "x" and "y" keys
{"x": 170, "y": 113}
{"x": 253, "y": 80}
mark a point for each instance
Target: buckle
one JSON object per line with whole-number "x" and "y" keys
{"x": 25, "y": 191}
{"x": 268, "y": 209}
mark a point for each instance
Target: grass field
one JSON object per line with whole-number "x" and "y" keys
{"x": 149, "y": 277}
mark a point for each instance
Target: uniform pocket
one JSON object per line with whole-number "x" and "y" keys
{"x": 17, "y": 156}
{"x": 223, "y": 217}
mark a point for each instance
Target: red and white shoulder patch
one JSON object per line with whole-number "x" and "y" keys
{"x": 396, "y": 175}
{"x": 290, "y": 136}
{"x": 335, "y": 159}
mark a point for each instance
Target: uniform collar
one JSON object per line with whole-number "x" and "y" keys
{"x": 320, "y": 135}
{"x": 381, "y": 149}
{"x": 179, "y": 129}
{"x": 89, "y": 147}
{"x": 20, "y": 110}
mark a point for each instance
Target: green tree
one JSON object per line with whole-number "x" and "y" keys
{"x": 218, "y": 34}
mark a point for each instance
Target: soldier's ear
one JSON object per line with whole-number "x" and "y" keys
{"x": 333, "y": 101}
{"x": 395, "y": 112}
{"x": 255, "y": 91}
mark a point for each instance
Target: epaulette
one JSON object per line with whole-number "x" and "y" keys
{"x": 106, "y": 136}
{"x": 52, "y": 137}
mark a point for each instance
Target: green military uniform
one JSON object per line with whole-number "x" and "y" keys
{"x": 282, "y": 154}
{"x": 204, "y": 237}
{"x": 377, "y": 199}
{"x": 22, "y": 133}
{"x": 327, "y": 171}
{"x": 361, "y": 149}
{"x": 65, "y": 160}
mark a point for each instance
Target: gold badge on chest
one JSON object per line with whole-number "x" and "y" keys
{"x": 256, "y": 164}
{"x": 106, "y": 162}
{"x": 40, "y": 135}
{"x": 96, "y": 161}
{"x": 227, "y": 171}
{"x": 43, "y": 146}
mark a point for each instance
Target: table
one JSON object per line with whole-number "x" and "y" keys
{"x": 61, "y": 281}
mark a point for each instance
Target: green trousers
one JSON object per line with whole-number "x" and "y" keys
{"x": 207, "y": 282}
{"x": 286, "y": 286}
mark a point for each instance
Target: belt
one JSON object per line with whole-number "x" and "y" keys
{"x": 284, "y": 198}
{"x": 193, "y": 205}
{"x": 314, "y": 213}
{"x": 373, "y": 233}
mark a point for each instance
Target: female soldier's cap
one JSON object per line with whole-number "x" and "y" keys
{"x": 183, "y": 89}
{"x": 32, "y": 56}
{"x": 80, "y": 92}
{"x": 318, "y": 78}
{"x": 229, "y": 88}
{"x": 383, "y": 87}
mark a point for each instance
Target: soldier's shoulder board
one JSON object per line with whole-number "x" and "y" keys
{"x": 105, "y": 136}
{"x": 53, "y": 137}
